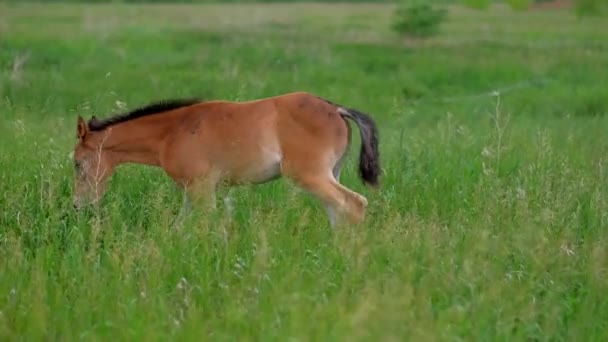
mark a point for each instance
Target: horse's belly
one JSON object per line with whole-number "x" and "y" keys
{"x": 259, "y": 170}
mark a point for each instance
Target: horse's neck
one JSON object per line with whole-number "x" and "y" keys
{"x": 136, "y": 142}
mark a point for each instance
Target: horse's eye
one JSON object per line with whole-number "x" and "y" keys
{"x": 77, "y": 165}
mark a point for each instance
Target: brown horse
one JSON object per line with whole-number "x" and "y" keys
{"x": 201, "y": 145}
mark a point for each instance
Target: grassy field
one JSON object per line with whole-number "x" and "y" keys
{"x": 490, "y": 223}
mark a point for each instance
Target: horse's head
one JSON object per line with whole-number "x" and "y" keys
{"x": 92, "y": 165}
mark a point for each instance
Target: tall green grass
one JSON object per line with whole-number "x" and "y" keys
{"x": 490, "y": 223}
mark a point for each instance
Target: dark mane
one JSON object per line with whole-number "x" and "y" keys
{"x": 151, "y": 109}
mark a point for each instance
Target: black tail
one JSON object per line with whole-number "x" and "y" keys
{"x": 369, "y": 157}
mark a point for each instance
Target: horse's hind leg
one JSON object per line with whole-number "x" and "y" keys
{"x": 330, "y": 209}
{"x": 356, "y": 203}
{"x": 337, "y": 199}
{"x": 332, "y": 213}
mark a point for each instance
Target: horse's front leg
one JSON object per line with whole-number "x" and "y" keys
{"x": 199, "y": 187}
{"x": 229, "y": 205}
{"x": 183, "y": 211}
{"x": 202, "y": 191}
{"x": 202, "y": 196}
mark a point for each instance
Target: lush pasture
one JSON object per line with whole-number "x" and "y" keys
{"x": 490, "y": 223}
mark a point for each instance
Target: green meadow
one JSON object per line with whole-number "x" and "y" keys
{"x": 490, "y": 223}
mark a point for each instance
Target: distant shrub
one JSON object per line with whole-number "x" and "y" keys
{"x": 587, "y": 7}
{"x": 476, "y": 4}
{"x": 519, "y": 5}
{"x": 418, "y": 19}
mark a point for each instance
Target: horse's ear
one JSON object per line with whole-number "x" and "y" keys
{"x": 81, "y": 128}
